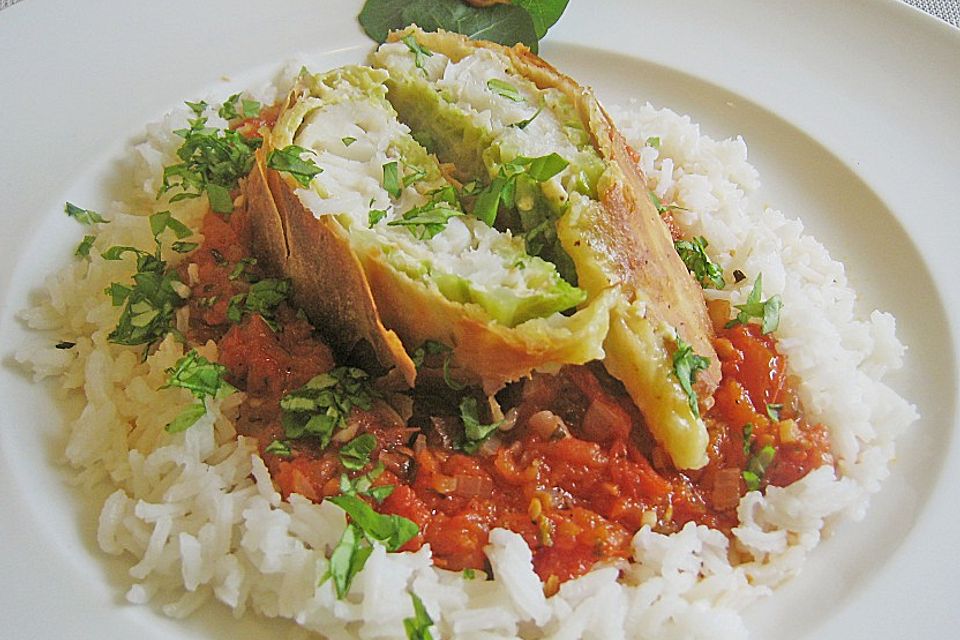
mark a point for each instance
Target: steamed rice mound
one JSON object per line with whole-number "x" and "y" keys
{"x": 199, "y": 518}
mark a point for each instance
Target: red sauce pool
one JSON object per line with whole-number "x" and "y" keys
{"x": 577, "y": 495}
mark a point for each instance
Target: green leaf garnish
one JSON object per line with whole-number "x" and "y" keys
{"x": 773, "y": 411}
{"x": 356, "y": 454}
{"x": 501, "y": 188}
{"x": 263, "y": 298}
{"x": 420, "y": 52}
{"x": 768, "y": 311}
{"x": 391, "y": 179}
{"x": 212, "y": 162}
{"x": 83, "y": 249}
{"x": 197, "y": 107}
{"x": 203, "y": 379}
{"x": 290, "y": 161}
{"x": 83, "y": 216}
{"x": 235, "y": 108}
{"x": 653, "y": 141}
{"x": 686, "y": 365}
{"x": 694, "y": 256}
{"x": 150, "y": 302}
{"x": 392, "y": 531}
{"x": 164, "y": 220}
{"x": 375, "y": 216}
{"x": 431, "y": 218}
{"x": 474, "y": 433}
{"x": 348, "y": 559}
{"x": 504, "y": 89}
{"x": 663, "y": 208}
{"x": 757, "y": 467}
{"x": 323, "y": 405}
{"x": 418, "y": 627}
{"x": 279, "y": 448}
{"x": 349, "y": 140}
{"x": 522, "y": 124}
{"x": 747, "y": 439}
{"x": 506, "y": 24}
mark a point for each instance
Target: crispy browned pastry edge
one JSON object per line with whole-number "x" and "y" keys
{"x": 334, "y": 292}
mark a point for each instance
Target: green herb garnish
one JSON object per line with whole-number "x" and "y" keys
{"x": 392, "y": 531}
{"x": 323, "y": 405}
{"x": 83, "y": 216}
{"x": 767, "y": 311}
{"x": 391, "y": 179}
{"x": 747, "y": 439}
{"x": 653, "y": 141}
{"x": 279, "y": 448}
{"x": 347, "y": 141}
{"x": 418, "y": 627}
{"x": 235, "y": 108}
{"x": 757, "y": 467}
{"x": 663, "y": 208}
{"x": 83, "y": 249}
{"x": 203, "y": 379}
{"x": 504, "y": 89}
{"x": 686, "y": 365}
{"x": 362, "y": 485}
{"x": 212, "y": 161}
{"x": 503, "y": 187}
{"x": 428, "y": 220}
{"x": 356, "y": 454}
{"x": 474, "y": 433}
{"x": 420, "y": 52}
{"x": 522, "y": 124}
{"x": 263, "y": 297}
{"x": 375, "y": 216}
{"x": 694, "y": 256}
{"x": 773, "y": 411}
{"x": 290, "y": 161}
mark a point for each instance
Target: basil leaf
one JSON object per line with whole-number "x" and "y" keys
{"x": 392, "y": 531}
{"x": 325, "y": 402}
{"x": 356, "y": 454}
{"x": 694, "y": 256}
{"x": 164, "y": 220}
{"x": 503, "y": 23}
{"x": 279, "y": 448}
{"x": 686, "y": 365}
{"x": 504, "y": 89}
{"x": 767, "y": 311}
{"x": 419, "y": 51}
{"x": 209, "y": 158}
{"x": 348, "y": 559}
{"x": 199, "y": 376}
{"x": 375, "y": 216}
{"x": 83, "y": 249}
{"x": 475, "y": 433}
{"x": 83, "y": 216}
{"x": 289, "y": 160}
{"x": 391, "y": 179}
{"x": 187, "y": 418}
{"x": 544, "y": 13}
{"x": 418, "y": 627}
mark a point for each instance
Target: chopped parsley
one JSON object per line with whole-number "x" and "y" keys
{"x": 502, "y": 189}
{"x": 263, "y": 298}
{"x": 83, "y": 249}
{"x": 375, "y": 216}
{"x": 747, "y": 439}
{"x": 420, "y": 52}
{"x": 323, "y": 405}
{"x": 236, "y": 108}
{"x": 474, "y": 433}
{"x": 355, "y": 545}
{"x": 290, "y": 160}
{"x": 355, "y": 455}
{"x": 279, "y": 448}
{"x": 694, "y": 256}
{"x": 152, "y": 299}
{"x": 663, "y": 208}
{"x": 203, "y": 379}
{"x": 212, "y": 162}
{"x": 522, "y": 124}
{"x": 773, "y": 411}
{"x": 653, "y": 141}
{"x": 418, "y": 627}
{"x": 428, "y": 220}
{"x": 391, "y": 179}
{"x": 757, "y": 467}
{"x": 469, "y": 574}
{"x": 240, "y": 269}
{"x": 347, "y": 141}
{"x": 768, "y": 311}
{"x": 686, "y": 365}
{"x": 504, "y": 89}
{"x": 362, "y": 485}
{"x": 428, "y": 348}
{"x": 83, "y": 216}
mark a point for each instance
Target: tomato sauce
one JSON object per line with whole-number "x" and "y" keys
{"x": 573, "y": 469}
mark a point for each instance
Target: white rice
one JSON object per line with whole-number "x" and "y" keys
{"x": 198, "y": 518}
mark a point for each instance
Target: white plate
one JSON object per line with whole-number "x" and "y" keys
{"x": 851, "y": 114}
